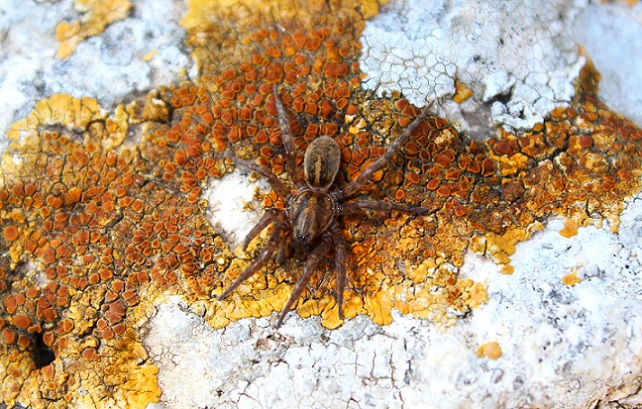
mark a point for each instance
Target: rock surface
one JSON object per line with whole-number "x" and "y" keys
{"x": 563, "y": 330}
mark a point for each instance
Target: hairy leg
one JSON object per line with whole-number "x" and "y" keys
{"x": 381, "y": 206}
{"x": 339, "y": 263}
{"x": 285, "y": 249}
{"x": 288, "y": 141}
{"x": 279, "y": 187}
{"x": 313, "y": 260}
{"x": 356, "y": 185}
{"x": 268, "y": 217}
{"x": 258, "y": 263}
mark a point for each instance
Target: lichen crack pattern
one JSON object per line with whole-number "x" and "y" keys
{"x": 95, "y": 231}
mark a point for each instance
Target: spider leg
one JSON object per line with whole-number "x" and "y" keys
{"x": 356, "y": 185}
{"x": 257, "y": 263}
{"x": 277, "y": 185}
{"x": 284, "y": 250}
{"x": 268, "y": 217}
{"x": 288, "y": 141}
{"x": 311, "y": 265}
{"x": 381, "y": 206}
{"x": 339, "y": 263}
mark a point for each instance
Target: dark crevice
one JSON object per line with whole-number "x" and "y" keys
{"x": 43, "y": 355}
{"x": 503, "y": 98}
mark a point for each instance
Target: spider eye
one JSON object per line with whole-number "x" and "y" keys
{"x": 303, "y": 235}
{"x": 305, "y": 230}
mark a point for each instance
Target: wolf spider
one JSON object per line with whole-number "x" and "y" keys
{"x": 310, "y": 220}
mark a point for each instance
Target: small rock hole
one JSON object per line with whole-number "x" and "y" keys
{"x": 43, "y": 355}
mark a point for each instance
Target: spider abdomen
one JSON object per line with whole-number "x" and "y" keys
{"x": 310, "y": 213}
{"x": 321, "y": 162}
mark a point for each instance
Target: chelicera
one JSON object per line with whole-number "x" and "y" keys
{"x": 309, "y": 223}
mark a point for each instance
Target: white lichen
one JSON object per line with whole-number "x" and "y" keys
{"x": 612, "y": 36}
{"x": 518, "y": 57}
{"x": 228, "y": 198}
{"x": 107, "y": 67}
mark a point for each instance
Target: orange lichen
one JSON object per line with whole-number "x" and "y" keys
{"x": 98, "y": 14}
{"x": 10, "y": 233}
{"x": 98, "y": 230}
{"x": 490, "y": 350}
{"x": 62, "y": 125}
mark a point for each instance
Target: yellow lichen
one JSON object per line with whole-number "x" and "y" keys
{"x": 202, "y": 14}
{"x": 379, "y": 305}
{"x": 507, "y": 269}
{"x": 462, "y": 92}
{"x": 501, "y": 247}
{"x": 150, "y": 55}
{"x": 570, "y": 228}
{"x": 490, "y": 350}
{"x": 77, "y": 114}
{"x": 99, "y": 230}
{"x": 571, "y": 279}
{"x": 98, "y": 14}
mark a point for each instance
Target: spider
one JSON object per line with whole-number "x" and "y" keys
{"x": 309, "y": 223}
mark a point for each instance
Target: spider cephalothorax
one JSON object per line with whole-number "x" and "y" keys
{"x": 310, "y": 220}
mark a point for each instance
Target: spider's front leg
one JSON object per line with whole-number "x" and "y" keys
{"x": 268, "y": 217}
{"x": 356, "y": 185}
{"x": 260, "y": 261}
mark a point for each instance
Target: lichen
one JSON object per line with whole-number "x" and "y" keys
{"x": 98, "y": 14}
{"x": 56, "y": 210}
{"x": 490, "y": 350}
{"x": 98, "y": 231}
{"x": 571, "y": 279}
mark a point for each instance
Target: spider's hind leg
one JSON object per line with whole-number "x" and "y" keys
{"x": 376, "y": 205}
{"x": 288, "y": 140}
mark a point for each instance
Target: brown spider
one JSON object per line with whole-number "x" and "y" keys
{"x": 309, "y": 221}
